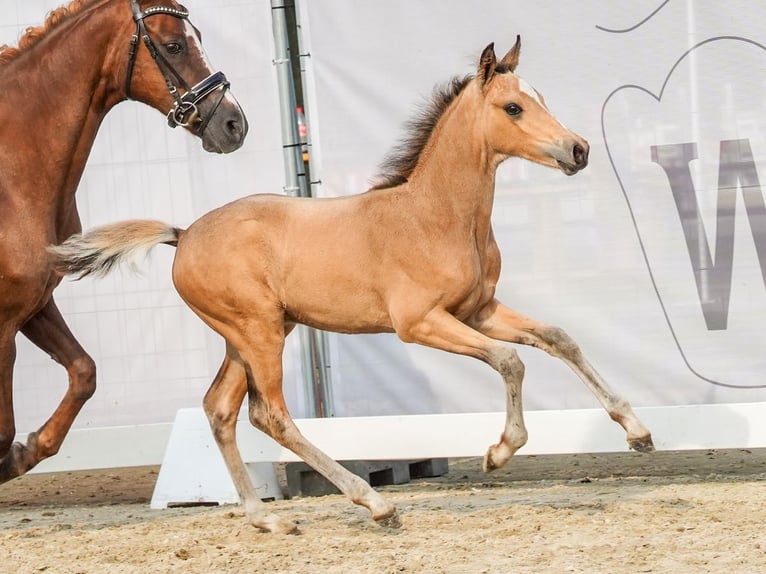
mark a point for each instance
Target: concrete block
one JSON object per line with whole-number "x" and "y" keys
{"x": 303, "y": 480}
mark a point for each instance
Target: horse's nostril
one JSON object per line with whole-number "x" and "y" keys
{"x": 579, "y": 154}
{"x": 236, "y": 129}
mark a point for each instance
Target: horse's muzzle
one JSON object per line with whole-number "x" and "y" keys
{"x": 227, "y": 131}
{"x": 576, "y": 158}
{"x": 210, "y": 111}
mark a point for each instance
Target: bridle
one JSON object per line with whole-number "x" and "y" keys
{"x": 184, "y": 112}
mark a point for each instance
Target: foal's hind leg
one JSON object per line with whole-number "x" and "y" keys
{"x": 222, "y": 403}
{"x": 499, "y": 322}
{"x": 268, "y": 412}
{"x": 48, "y": 331}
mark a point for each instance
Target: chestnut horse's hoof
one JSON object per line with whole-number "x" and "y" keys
{"x": 643, "y": 444}
{"x": 20, "y": 459}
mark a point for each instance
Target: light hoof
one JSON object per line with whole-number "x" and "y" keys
{"x": 496, "y": 457}
{"x": 643, "y": 444}
{"x": 390, "y": 521}
{"x": 273, "y": 524}
{"x": 489, "y": 465}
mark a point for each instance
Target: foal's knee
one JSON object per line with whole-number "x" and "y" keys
{"x": 506, "y": 361}
{"x": 220, "y": 420}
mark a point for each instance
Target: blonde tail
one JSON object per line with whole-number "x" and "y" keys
{"x": 100, "y": 249}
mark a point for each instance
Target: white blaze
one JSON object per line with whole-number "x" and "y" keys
{"x": 193, "y": 43}
{"x": 526, "y": 88}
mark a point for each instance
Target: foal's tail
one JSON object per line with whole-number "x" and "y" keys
{"x": 101, "y": 248}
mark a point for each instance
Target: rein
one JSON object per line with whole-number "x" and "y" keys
{"x": 184, "y": 112}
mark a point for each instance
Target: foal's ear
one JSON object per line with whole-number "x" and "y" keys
{"x": 511, "y": 59}
{"x": 487, "y": 64}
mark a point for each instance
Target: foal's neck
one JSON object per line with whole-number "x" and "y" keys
{"x": 456, "y": 173}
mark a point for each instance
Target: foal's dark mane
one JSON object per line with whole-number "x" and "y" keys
{"x": 33, "y": 34}
{"x": 400, "y": 162}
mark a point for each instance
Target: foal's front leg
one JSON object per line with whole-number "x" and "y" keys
{"x": 500, "y": 322}
{"x": 222, "y": 403}
{"x": 441, "y": 330}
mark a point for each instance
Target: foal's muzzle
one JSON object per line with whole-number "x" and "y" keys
{"x": 574, "y": 159}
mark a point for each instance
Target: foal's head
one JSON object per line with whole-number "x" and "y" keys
{"x": 174, "y": 55}
{"x": 517, "y": 121}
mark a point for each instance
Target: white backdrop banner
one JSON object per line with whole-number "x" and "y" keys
{"x": 653, "y": 258}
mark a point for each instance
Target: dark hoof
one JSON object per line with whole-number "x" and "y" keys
{"x": 390, "y": 521}
{"x": 643, "y": 444}
{"x": 17, "y": 462}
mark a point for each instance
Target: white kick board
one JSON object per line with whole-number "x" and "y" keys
{"x": 193, "y": 469}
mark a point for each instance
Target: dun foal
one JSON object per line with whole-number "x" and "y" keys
{"x": 413, "y": 255}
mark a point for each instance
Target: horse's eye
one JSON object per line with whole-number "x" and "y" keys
{"x": 512, "y": 110}
{"x": 174, "y": 48}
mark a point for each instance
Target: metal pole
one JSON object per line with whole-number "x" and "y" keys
{"x": 322, "y": 343}
{"x": 295, "y": 176}
{"x": 314, "y": 359}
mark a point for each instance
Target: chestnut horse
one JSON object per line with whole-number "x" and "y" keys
{"x": 57, "y": 86}
{"x": 414, "y": 255}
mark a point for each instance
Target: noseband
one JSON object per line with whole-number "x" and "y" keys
{"x": 184, "y": 112}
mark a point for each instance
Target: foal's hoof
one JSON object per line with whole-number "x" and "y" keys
{"x": 488, "y": 465}
{"x": 643, "y": 444}
{"x": 275, "y": 525}
{"x": 390, "y": 521}
{"x": 497, "y": 456}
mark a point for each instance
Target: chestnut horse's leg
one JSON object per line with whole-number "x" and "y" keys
{"x": 222, "y": 403}
{"x": 48, "y": 331}
{"x": 7, "y": 423}
{"x": 441, "y": 330}
{"x": 261, "y": 349}
{"x": 500, "y": 322}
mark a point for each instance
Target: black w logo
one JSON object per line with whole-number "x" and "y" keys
{"x": 736, "y": 171}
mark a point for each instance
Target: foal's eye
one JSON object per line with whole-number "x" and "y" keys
{"x": 174, "y": 48}
{"x": 512, "y": 110}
